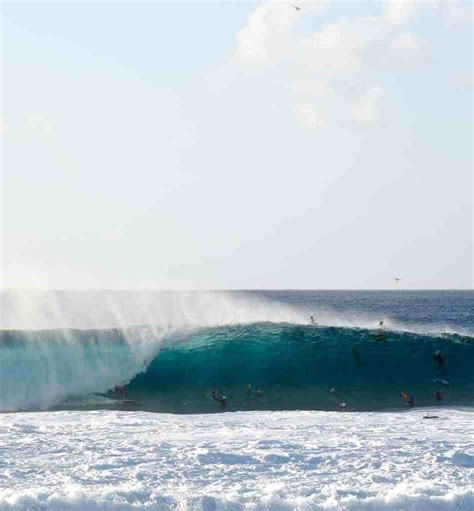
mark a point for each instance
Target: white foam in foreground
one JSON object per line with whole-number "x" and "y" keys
{"x": 249, "y": 460}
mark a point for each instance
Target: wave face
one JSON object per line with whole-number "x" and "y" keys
{"x": 294, "y": 366}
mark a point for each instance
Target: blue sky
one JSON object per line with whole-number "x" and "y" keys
{"x": 237, "y": 145}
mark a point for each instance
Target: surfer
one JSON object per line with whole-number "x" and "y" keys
{"x": 221, "y": 400}
{"x": 311, "y": 320}
{"x": 380, "y": 332}
{"x": 341, "y": 406}
{"x": 249, "y": 391}
{"x": 119, "y": 390}
{"x": 356, "y": 354}
{"x": 437, "y": 396}
{"x": 439, "y": 357}
{"x": 409, "y": 400}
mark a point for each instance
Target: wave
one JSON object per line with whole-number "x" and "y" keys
{"x": 294, "y": 366}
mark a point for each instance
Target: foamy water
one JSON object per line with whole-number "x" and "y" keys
{"x": 248, "y": 460}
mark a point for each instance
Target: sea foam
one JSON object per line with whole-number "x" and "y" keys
{"x": 237, "y": 461}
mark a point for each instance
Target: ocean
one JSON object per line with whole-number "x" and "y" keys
{"x": 107, "y": 400}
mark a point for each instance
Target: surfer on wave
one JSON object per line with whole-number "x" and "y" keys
{"x": 221, "y": 400}
{"x": 439, "y": 357}
{"x": 409, "y": 400}
{"x": 250, "y": 392}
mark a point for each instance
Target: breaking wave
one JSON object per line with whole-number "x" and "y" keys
{"x": 294, "y": 366}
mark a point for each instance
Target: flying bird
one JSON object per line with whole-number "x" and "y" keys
{"x": 297, "y": 8}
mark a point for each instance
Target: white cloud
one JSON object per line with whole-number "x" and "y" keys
{"x": 366, "y": 110}
{"x": 400, "y": 11}
{"x": 339, "y": 60}
{"x": 309, "y": 116}
{"x": 266, "y": 37}
{"x": 408, "y": 41}
{"x": 337, "y": 48}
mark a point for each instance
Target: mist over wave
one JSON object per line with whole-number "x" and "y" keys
{"x": 163, "y": 310}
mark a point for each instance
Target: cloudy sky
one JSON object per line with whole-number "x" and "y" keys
{"x": 237, "y": 145}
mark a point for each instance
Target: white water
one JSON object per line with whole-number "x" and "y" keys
{"x": 234, "y": 461}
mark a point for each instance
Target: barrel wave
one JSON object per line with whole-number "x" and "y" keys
{"x": 287, "y": 366}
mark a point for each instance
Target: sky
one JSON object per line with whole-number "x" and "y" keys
{"x": 232, "y": 145}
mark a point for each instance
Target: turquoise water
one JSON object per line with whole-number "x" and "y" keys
{"x": 295, "y": 367}
{"x": 288, "y": 365}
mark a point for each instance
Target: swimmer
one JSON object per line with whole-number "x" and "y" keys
{"x": 341, "y": 406}
{"x": 439, "y": 357}
{"x": 221, "y": 400}
{"x": 437, "y": 396}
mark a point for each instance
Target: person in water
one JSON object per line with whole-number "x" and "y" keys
{"x": 119, "y": 390}
{"x": 439, "y": 357}
{"x": 249, "y": 391}
{"x": 356, "y": 354}
{"x": 380, "y": 332}
{"x": 437, "y": 396}
{"x": 221, "y": 400}
{"x": 409, "y": 400}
